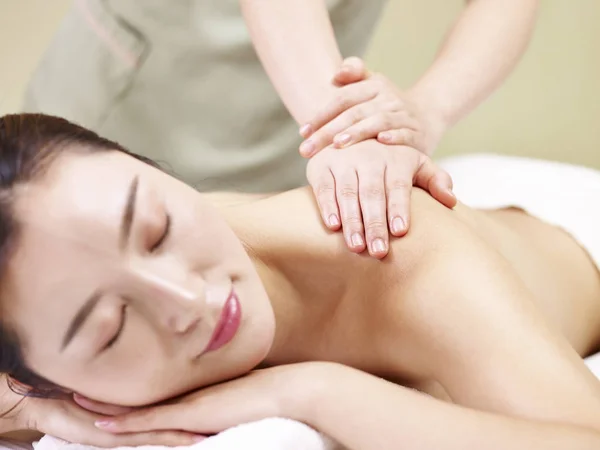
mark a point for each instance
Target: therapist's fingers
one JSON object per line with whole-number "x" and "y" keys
{"x": 346, "y": 187}
{"x": 370, "y": 126}
{"x": 373, "y": 206}
{"x": 353, "y": 69}
{"x": 398, "y": 185}
{"x": 402, "y": 136}
{"x": 323, "y": 184}
{"x": 346, "y": 98}
{"x": 436, "y": 181}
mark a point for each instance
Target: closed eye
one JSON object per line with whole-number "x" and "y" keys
{"x": 163, "y": 236}
{"x": 119, "y": 331}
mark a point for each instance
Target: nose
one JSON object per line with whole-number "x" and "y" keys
{"x": 176, "y": 306}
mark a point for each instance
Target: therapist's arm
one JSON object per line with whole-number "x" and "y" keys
{"x": 478, "y": 54}
{"x": 295, "y": 42}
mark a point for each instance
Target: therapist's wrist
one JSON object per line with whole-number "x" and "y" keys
{"x": 432, "y": 117}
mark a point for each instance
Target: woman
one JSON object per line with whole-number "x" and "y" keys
{"x": 143, "y": 292}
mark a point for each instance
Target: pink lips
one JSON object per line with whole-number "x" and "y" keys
{"x": 228, "y": 324}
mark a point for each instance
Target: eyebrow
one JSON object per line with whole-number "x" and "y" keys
{"x": 125, "y": 231}
{"x": 80, "y": 318}
{"x": 128, "y": 213}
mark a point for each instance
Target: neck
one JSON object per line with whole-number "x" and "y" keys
{"x": 284, "y": 239}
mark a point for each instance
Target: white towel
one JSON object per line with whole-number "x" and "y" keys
{"x": 267, "y": 434}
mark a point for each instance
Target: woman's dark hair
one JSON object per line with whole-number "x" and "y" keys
{"x": 28, "y": 145}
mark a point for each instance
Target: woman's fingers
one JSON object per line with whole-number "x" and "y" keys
{"x": 162, "y": 438}
{"x": 100, "y": 408}
{"x": 72, "y": 423}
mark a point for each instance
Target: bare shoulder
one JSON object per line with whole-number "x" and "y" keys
{"x": 294, "y": 217}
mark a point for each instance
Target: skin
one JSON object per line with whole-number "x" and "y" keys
{"x": 433, "y": 315}
{"x": 338, "y": 103}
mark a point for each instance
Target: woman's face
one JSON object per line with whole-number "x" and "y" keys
{"x": 127, "y": 287}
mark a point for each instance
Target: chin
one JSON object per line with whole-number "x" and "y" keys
{"x": 258, "y": 343}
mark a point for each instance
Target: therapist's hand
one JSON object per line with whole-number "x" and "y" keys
{"x": 365, "y": 190}
{"x": 370, "y": 106}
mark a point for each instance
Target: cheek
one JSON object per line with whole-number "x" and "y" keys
{"x": 137, "y": 380}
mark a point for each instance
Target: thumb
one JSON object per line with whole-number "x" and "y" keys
{"x": 436, "y": 181}
{"x": 352, "y": 70}
{"x": 104, "y": 409}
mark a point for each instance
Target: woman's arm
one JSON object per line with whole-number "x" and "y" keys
{"x": 478, "y": 54}
{"x": 366, "y": 413}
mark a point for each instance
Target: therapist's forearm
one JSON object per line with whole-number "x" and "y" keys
{"x": 478, "y": 54}
{"x": 295, "y": 42}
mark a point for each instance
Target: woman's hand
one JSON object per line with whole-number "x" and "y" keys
{"x": 64, "y": 419}
{"x": 370, "y": 106}
{"x": 275, "y": 392}
{"x": 365, "y": 189}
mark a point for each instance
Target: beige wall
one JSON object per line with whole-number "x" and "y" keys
{"x": 25, "y": 29}
{"x": 550, "y": 107}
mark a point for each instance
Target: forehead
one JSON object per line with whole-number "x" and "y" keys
{"x": 68, "y": 223}
{"x": 73, "y": 207}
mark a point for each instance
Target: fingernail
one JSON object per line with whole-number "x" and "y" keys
{"x": 104, "y": 424}
{"x": 452, "y": 194}
{"x": 305, "y": 130}
{"x": 342, "y": 139}
{"x": 334, "y": 221}
{"x": 378, "y": 246}
{"x": 307, "y": 147}
{"x": 398, "y": 225}
{"x": 357, "y": 240}
{"x": 385, "y": 136}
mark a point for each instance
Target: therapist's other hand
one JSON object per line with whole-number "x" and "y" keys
{"x": 370, "y": 106}
{"x": 366, "y": 190}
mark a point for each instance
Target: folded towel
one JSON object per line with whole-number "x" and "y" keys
{"x": 267, "y": 434}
